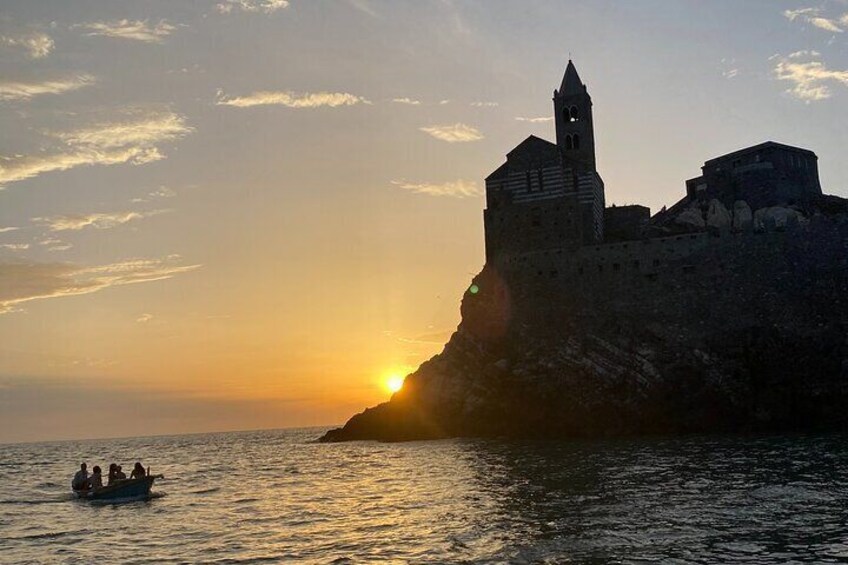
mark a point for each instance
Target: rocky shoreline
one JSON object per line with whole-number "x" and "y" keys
{"x": 755, "y": 340}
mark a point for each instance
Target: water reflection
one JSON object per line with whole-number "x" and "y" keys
{"x": 694, "y": 500}
{"x": 278, "y": 497}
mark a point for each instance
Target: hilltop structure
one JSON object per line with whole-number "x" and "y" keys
{"x": 726, "y": 311}
{"x": 545, "y": 206}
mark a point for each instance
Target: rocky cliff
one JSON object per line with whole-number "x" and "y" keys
{"x": 749, "y": 333}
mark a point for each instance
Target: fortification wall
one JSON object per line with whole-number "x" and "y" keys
{"x": 689, "y": 284}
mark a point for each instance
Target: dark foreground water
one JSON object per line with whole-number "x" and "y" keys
{"x": 275, "y": 497}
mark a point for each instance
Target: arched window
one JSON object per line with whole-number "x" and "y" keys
{"x": 572, "y": 114}
{"x": 576, "y": 141}
{"x": 569, "y": 144}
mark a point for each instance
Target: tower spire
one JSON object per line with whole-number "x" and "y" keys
{"x": 571, "y": 83}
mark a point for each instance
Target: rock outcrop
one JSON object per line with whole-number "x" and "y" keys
{"x": 749, "y": 333}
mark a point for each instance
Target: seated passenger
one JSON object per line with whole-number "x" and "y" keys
{"x": 138, "y": 471}
{"x": 113, "y": 470}
{"x": 120, "y": 475}
{"x": 95, "y": 481}
{"x": 80, "y": 480}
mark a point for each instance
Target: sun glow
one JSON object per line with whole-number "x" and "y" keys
{"x": 394, "y": 382}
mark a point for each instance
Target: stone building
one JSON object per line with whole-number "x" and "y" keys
{"x": 549, "y": 195}
{"x": 545, "y": 213}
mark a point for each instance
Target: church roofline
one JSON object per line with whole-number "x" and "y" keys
{"x": 758, "y": 147}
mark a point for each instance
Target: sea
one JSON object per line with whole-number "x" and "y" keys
{"x": 281, "y": 497}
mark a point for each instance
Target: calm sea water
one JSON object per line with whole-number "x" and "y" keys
{"x": 277, "y": 497}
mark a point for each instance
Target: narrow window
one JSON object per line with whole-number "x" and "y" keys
{"x": 569, "y": 143}
{"x": 527, "y": 181}
{"x": 576, "y": 141}
{"x": 539, "y": 179}
{"x": 573, "y": 116}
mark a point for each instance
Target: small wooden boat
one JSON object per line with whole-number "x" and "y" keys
{"x": 126, "y": 488}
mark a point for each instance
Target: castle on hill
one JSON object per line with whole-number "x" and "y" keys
{"x": 549, "y": 197}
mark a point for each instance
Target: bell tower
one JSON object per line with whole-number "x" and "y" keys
{"x": 573, "y": 116}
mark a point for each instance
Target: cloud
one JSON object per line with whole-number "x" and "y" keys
{"x": 37, "y": 44}
{"x": 456, "y": 189}
{"x": 100, "y": 221}
{"x": 456, "y": 133}
{"x": 409, "y": 101}
{"x": 144, "y": 318}
{"x": 14, "y": 246}
{"x": 137, "y": 30}
{"x": 484, "y": 104}
{"x": 144, "y": 131}
{"x": 812, "y": 16}
{"x": 535, "y": 120}
{"x": 443, "y": 102}
{"x": 810, "y": 77}
{"x": 22, "y": 282}
{"x": 251, "y": 6}
{"x": 27, "y": 90}
{"x": 54, "y": 245}
{"x": 133, "y": 141}
{"x": 4, "y": 230}
{"x": 292, "y": 99}
{"x": 159, "y": 193}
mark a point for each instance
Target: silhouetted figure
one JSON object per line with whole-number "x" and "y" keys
{"x": 96, "y": 480}
{"x": 80, "y": 480}
{"x": 113, "y": 471}
{"x": 138, "y": 471}
{"x": 120, "y": 475}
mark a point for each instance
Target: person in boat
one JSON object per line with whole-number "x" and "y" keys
{"x": 138, "y": 471}
{"x": 80, "y": 480}
{"x": 113, "y": 471}
{"x": 95, "y": 481}
{"x": 120, "y": 475}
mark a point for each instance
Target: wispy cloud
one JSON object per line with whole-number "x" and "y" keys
{"x": 136, "y": 30}
{"x": 538, "y": 120}
{"x": 292, "y": 99}
{"x": 159, "y": 193}
{"x": 810, "y": 78}
{"x": 456, "y": 133}
{"x": 14, "y": 246}
{"x": 251, "y": 6}
{"x": 144, "y": 318}
{"x": 26, "y": 90}
{"x": 481, "y": 104}
{"x": 144, "y": 131}
{"x": 54, "y": 245}
{"x": 100, "y": 220}
{"x": 132, "y": 141}
{"x": 22, "y": 282}
{"x": 8, "y": 229}
{"x": 814, "y": 17}
{"x": 456, "y": 189}
{"x": 37, "y": 44}
{"x": 409, "y": 101}
{"x": 365, "y": 7}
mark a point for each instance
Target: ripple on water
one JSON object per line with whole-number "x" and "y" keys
{"x": 687, "y": 500}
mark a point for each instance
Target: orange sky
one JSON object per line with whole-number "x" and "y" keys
{"x": 232, "y": 215}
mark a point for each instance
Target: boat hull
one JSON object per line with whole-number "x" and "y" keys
{"x": 131, "y": 488}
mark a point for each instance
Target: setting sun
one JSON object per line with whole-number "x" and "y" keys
{"x": 394, "y": 383}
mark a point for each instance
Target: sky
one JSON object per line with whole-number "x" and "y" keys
{"x": 242, "y": 214}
